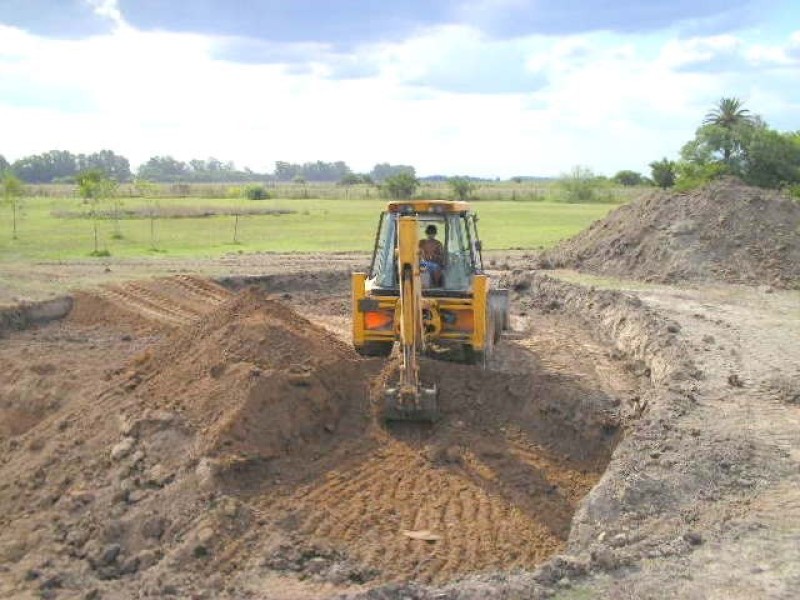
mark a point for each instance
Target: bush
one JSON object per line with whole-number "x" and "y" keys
{"x": 628, "y": 178}
{"x": 579, "y": 185}
{"x": 256, "y": 191}
{"x": 688, "y": 175}
{"x": 462, "y": 187}
{"x": 401, "y": 186}
{"x": 663, "y": 173}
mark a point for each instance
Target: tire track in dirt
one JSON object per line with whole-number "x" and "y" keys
{"x": 276, "y": 408}
{"x": 145, "y": 307}
{"x": 166, "y": 302}
{"x": 470, "y": 503}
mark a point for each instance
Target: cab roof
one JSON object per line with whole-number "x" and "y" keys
{"x": 426, "y": 206}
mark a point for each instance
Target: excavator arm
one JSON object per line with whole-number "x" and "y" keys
{"x": 410, "y": 399}
{"x": 459, "y": 311}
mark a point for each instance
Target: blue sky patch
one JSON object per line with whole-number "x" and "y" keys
{"x": 61, "y": 19}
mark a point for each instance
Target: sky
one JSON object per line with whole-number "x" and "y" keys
{"x": 487, "y": 88}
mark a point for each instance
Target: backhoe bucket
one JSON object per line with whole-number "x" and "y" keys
{"x": 419, "y": 405}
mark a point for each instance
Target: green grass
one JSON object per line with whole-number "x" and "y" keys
{"x": 316, "y": 225}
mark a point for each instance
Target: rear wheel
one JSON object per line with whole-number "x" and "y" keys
{"x": 477, "y": 357}
{"x": 471, "y": 356}
{"x": 375, "y": 349}
{"x": 482, "y": 357}
{"x": 499, "y": 322}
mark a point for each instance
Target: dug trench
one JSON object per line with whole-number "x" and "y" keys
{"x": 212, "y": 441}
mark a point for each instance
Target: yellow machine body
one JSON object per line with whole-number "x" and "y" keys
{"x": 395, "y": 300}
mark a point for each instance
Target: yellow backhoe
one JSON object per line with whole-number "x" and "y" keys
{"x": 425, "y": 293}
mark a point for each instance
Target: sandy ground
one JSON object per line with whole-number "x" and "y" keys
{"x": 46, "y": 279}
{"x": 746, "y": 341}
{"x": 585, "y": 439}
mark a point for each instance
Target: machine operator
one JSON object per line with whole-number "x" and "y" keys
{"x": 432, "y": 255}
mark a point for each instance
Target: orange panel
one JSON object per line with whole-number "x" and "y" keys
{"x": 464, "y": 321}
{"x": 378, "y": 320}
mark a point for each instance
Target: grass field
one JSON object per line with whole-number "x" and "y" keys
{"x": 314, "y": 225}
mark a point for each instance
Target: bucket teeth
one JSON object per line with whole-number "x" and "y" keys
{"x": 411, "y": 405}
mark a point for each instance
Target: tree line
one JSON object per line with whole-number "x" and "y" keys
{"x": 729, "y": 140}
{"x": 58, "y": 166}
{"x": 62, "y": 166}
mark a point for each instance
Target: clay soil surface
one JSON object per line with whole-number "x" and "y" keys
{"x": 726, "y": 231}
{"x": 179, "y": 437}
{"x": 175, "y": 436}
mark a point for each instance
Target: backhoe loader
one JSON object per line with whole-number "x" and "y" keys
{"x": 422, "y": 303}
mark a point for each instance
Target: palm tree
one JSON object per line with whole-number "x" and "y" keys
{"x": 728, "y": 114}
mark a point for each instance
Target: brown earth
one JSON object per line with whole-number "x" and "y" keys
{"x": 214, "y": 444}
{"x": 726, "y": 231}
{"x": 179, "y": 438}
{"x": 166, "y": 439}
{"x": 170, "y": 302}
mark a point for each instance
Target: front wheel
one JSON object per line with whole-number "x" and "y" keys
{"x": 375, "y": 349}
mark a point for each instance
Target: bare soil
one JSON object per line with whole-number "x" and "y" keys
{"x": 726, "y": 231}
{"x": 180, "y": 437}
{"x": 217, "y": 443}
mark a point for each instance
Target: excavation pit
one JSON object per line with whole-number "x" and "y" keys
{"x": 495, "y": 481}
{"x": 258, "y": 403}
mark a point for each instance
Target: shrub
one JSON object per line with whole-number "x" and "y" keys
{"x": 401, "y": 186}
{"x": 256, "y": 191}
{"x": 628, "y": 177}
{"x": 462, "y": 187}
{"x": 579, "y": 185}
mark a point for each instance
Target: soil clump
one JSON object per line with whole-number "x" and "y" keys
{"x": 726, "y": 231}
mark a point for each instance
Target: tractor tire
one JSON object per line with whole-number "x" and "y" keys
{"x": 475, "y": 357}
{"x": 499, "y": 326}
{"x": 482, "y": 357}
{"x": 382, "y": 349}
{"x": 470, "y": 355}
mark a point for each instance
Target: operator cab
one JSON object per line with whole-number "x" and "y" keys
{"x": 456, "y": 230}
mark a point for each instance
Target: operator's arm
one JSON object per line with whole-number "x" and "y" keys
{"x": 438, "y": 252}
{"x": 425, "y": 250}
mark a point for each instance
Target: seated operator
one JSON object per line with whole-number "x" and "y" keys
{"x": 432, "y": 255}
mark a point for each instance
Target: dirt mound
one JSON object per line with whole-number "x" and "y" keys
{"x": 726, "y": 231}
{"x": 147, "y": 305}
{"x": 253, "y": 377}
{"x": 242, "y": 448}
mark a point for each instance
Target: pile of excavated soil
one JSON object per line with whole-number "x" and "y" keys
{"x": 726, "y": 231}
{"x": 242, "y": 447}
{"x": 135, "y": 481}
{"x": 253, "y": 377}
{"x": 144, "y": 306}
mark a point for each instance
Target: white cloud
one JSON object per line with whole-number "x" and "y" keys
{"x": 691, "y": 52}
{"x": 776, "y": 55}
{"x": 730, "y": 53}
{"x": 603, "y": 101}
{"x": 108, "y": 9}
